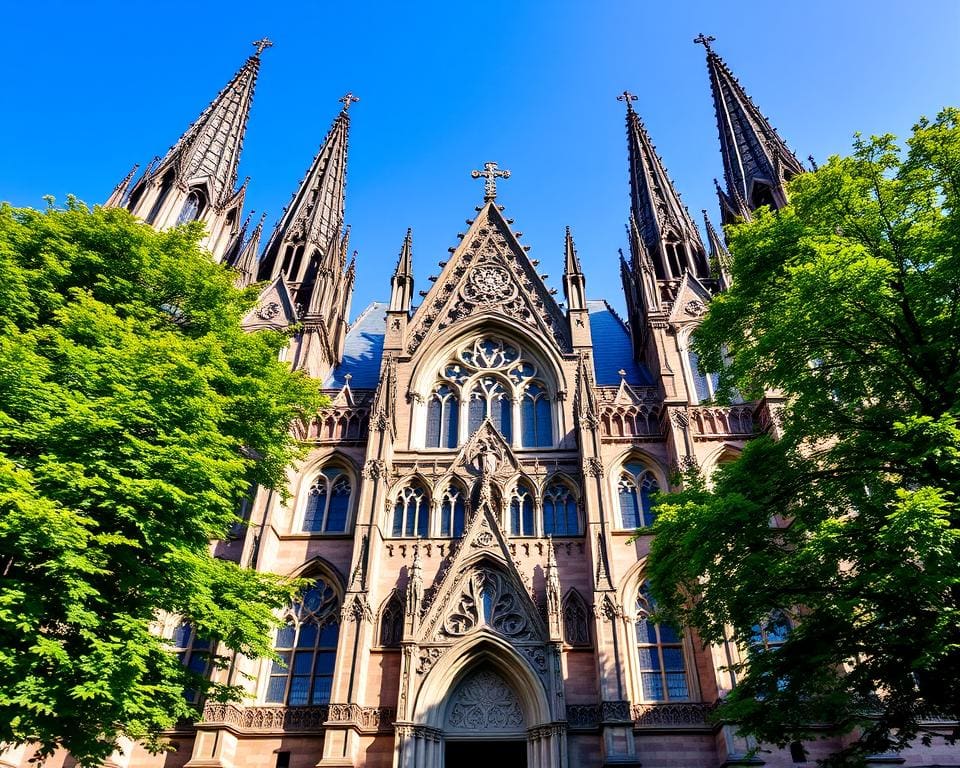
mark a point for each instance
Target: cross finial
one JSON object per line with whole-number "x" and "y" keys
{"x": 490, "y": 175}
{"x": 262, "y": 44}
{"x": 347, "y": 99}
{"x": 627, "y": 97}
{"x": 704, "y": 40}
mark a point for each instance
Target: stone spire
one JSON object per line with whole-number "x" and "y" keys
{"x": 665, "y": 228}
{"x": 718, "y": 252}
{"x": 307, "y": 246}
{"x": 197, "y": 178}
{"x": 401, "y": 295}
{"x": 757, "y": 163}
{"x": 245, "y": 260}
{"x": 574, "y": 282}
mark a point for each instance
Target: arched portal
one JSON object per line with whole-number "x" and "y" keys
{"x": 482, "y": 698}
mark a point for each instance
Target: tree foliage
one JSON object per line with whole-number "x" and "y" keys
{"x": 134, "y": 417}
{"x": 848, "y": 303}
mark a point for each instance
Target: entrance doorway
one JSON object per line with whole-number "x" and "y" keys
{"x": 486, "y": 754}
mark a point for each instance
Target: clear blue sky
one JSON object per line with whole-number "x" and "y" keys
{"x": 91, "y": 88}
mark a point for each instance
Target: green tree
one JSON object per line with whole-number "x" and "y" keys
{"x": 135, "y": 414}
{"x": 848, "y": 302}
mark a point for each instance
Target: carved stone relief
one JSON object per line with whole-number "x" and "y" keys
{"x": 484, "y": 701}
{"x": 487, "y": 598}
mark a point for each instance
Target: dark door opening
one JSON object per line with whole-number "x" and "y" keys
{"x": 486, "y": 754}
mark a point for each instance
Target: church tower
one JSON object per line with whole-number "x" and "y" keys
{"x": 308, "y": 253}
{"x": 197, "y": 178}
{"x": 757, "y": 163}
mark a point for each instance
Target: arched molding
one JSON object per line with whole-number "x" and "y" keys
{"x": 435, "y": 352}
{"x": 628, "y": 587}
{"x": 721, "y": 454}
{"x": 317, "y": 567}
{"x": 483, "y": 649}
{"x": 647, "y": 459}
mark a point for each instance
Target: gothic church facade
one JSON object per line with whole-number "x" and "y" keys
{"x": 474, "y": 510}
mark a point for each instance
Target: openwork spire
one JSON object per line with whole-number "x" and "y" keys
{"x": 757, "y": 163}
{"x": 209, "y": 151}
{"x": 664, "y": 224}
{"x": 307, "y": 237}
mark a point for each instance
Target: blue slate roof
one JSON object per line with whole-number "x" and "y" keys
{"x": 362, "y": 350}
{"x": 612, "y": 348}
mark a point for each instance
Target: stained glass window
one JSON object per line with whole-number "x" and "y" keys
{"x": 443, "y": 418}
{"x": 559, "y": 511}
{"x": 411, "y": 513}
{"x": 191, "y": 208}
{"x": 635, "y": 488}
{"x": 452, "y": 511}
{"x": 536, "y": 426}
{"x": 307, "y": 647}
{"x": 521, "y": 512}
{"x": 663, "y": 674}
{"x": 194, "y": 653}
{"x": 328, "y": 502}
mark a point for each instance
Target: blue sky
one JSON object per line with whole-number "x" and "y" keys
{"x": 91, "y": 88}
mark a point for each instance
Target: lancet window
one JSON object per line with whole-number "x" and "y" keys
{"x": 443, "y": 418}
{"x": 576, "y": 620}
{"x": 327, "y": 508}
{"x": 490, "y": 377}
{"x": 559, "y": 511}
{"x": 391, "y": 622}
{"x": 411, "y": 512}
{"x": 489, "y": 398}
{"x": 191, "y": 208}
{"x": 663, "y": 671}
{"x": 307, "y": 647}
{"x": 452, "y": 512}
{"x": 521, "y": 511}
{"x": 634, "y": 489}
{"x": 194, "y": 653}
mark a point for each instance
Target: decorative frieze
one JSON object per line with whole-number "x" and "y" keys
{"x": 679, "y": 715}
{"x": 279, "y": 719}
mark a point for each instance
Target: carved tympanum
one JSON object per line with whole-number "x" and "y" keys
{"x": 484, "y": 701}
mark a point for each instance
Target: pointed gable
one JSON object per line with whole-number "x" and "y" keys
{"x": 489, "y": 272}
{"x": 691, "y": 302}
{"x": 275, "y": 309}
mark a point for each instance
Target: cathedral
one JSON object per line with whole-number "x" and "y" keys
{"x": 473, "y": 514}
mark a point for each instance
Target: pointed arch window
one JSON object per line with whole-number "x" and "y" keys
{"x": 559, "y": 511}
{"x": 576, "y": 620}
{"x": 191, "y": 207}
{"x": 194, "y": 653}
{"x": 635, "y": 488}
{"x": 490, "y": 398}
{"x": 328, "y": 502}
{"x": 307, "y": 647}
{"x": 391, "y": 622}
{"x": 411, "y": 512}
{"x": 443, "y": 418}
{"x": 452, "y": 512}
{"x": 663, "y": 670}
{"x": 521, "y": 511}
{"x": 705, "y": 384}
{"x": 536, "y": 429}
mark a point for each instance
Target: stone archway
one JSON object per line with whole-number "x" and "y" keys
{"x": 484, "y": 722}
{"x": 482, "y": 690}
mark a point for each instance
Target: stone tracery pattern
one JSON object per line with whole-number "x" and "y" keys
{"x": 484, "y": 701}
{"x": 488, "y": 277}
{"x": 487, "y": 598}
